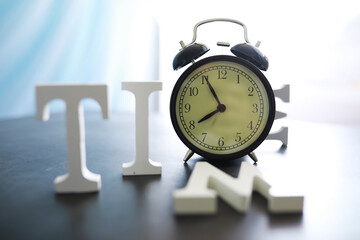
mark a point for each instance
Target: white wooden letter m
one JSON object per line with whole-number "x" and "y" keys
{"x": 206, "y": 182}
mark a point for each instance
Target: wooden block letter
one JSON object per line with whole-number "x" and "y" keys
{"x": 142, "y": 165}
{"x": 79, "y": 179}
{"x": 206, "y": 182}
{"x": 282, "y": 134}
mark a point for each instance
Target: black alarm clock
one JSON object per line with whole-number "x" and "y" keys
{"x": 222, "y": 107}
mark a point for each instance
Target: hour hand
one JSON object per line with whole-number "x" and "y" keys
{"x": 220, "y": 108}
{"x": 209, "y": 115}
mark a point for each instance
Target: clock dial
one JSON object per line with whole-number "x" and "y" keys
{"x": 222, "y": 107}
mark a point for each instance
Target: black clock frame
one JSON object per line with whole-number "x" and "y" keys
{"x": 268, "y": 125}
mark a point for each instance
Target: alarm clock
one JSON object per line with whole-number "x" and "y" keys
{"x": 222, "y": 107}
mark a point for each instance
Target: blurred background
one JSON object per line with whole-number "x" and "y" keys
{"x": 313, "y": 45}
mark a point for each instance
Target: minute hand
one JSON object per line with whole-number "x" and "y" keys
{"x": 213, "y": 92}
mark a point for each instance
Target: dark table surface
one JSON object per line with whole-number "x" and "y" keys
{"x": 321, "y": 162}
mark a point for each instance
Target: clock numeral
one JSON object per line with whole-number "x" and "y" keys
{"x": 222, "y": 74}
{"x": 221, "y": 142}
{"x": 251, "y": 91}
{"x": 204, "y": 136}
{"x": 256, "y": 109}
{"x": 194, "y": 91}
{"x": 187, "y": 107}
{"x": 192, "y": 124}
{"x": 238, "y": 137}
{"x": 204, "y": 78}
{"x": 250, "y": 125}
{"x": 238, "y": 79}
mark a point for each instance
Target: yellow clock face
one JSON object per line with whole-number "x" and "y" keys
{"x": 222, "y": 107}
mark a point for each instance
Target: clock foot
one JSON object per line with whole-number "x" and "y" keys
{"x": 253, "y": 157}
{"x": 188, "y": 155}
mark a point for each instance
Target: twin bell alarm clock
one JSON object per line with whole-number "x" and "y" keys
{"x": 222, "y": 107}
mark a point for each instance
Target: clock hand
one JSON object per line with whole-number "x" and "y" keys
{"x": 213, "y": 91}
{"x": 220, "y": 108}
{"x": 209, "y": 115}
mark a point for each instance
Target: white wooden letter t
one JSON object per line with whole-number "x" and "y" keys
{"x": 79, "y": 179}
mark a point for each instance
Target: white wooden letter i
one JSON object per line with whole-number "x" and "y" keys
{"x": 79, "y": 179}
{"x": 142, "y": 165}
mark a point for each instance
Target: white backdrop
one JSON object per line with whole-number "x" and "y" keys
{"x": 43, "y": 41}
{"x": 313, "y": 45}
